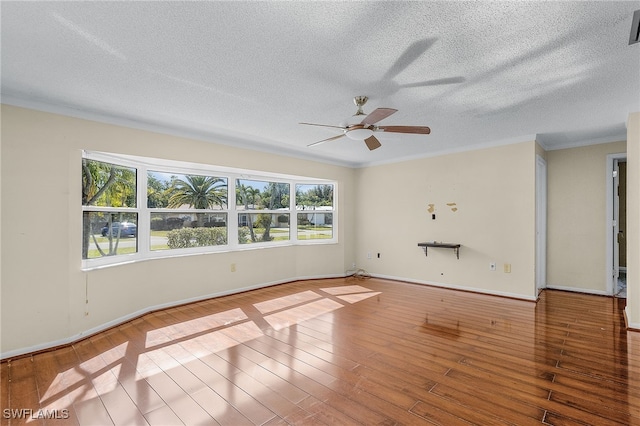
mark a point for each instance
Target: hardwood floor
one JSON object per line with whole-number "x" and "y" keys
{"x": 342, "y": 352}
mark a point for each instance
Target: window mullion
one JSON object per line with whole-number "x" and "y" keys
{"x": 232, "y": 216}
{"x": 293, "y": 214}
{"x": 144, "y": 216}
{"x": 109, "y": 209}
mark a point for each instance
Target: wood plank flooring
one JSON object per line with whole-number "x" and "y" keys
{"x": 342, "y": 352}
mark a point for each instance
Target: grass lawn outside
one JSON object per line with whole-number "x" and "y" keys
{"x": 159, "y": 238}
{"x": 94, "y": 253}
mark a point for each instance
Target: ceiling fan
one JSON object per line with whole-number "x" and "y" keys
{"x": 361, "y": 127}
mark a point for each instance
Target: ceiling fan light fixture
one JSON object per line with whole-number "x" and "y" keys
{"x": 361, "y": 126}
{"x": 359, "y": 134}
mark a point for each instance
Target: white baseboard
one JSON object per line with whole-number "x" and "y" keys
{"x": 102, "y": 327}
{"x": 459, "y": 287}
{"x": 579, "y": 290}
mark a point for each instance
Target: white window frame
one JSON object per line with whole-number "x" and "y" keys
{"x": 121, "y": 258}
{"x": 333, "y": 211}
{"x": 145, "y": 164}
{"x": 265, "y": 211}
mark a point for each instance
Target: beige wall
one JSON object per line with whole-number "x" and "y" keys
{"x": 43, "y": 288}
{"x": 494, "y": 194}
{"x": 633, "y": 221}
{"x": 576, "y": 233}
{"x": 382, "y": 209}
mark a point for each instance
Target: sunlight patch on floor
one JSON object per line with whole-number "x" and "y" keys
{"x": 299, "y": 314}
{"x": 286, "y": 301}
{"x": 354, "y": 298}
{"x": 186, "y": 328}
{"x": 345, "y": 289}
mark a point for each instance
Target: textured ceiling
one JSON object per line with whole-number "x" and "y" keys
{"x": 246, "y": 73}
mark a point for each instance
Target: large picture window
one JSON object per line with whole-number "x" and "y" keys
{"x": 186, "y": 210}
{"x": 138, "y": 208}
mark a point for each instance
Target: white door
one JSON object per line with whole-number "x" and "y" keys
{"x": 541, "y": 223}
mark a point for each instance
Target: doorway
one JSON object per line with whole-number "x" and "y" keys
{"x": 617, "y": 225}
{"x": 620, "y": 243}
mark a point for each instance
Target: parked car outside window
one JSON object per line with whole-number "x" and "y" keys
{"x": 127, "y": 229}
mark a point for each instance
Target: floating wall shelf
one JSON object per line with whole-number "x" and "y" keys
{"x": 454, "y": 246}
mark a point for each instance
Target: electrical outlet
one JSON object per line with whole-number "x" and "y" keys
{"x": 233, "y": 267}
{"x": 492, "y": 266}
{"x": 507, "y": 268}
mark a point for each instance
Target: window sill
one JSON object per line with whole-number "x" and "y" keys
{"x": 102, "y": 263}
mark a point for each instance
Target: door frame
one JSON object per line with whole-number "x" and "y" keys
{"x": 612, "y": 266}
{"x": 541, "y": 224}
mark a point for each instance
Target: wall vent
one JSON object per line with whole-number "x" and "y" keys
{"x": 634, "y": 37}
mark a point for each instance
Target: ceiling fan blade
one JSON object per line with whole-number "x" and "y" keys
{"x": 413, "y": 52}
{"x": 422, "y": 130}
{"x": 378, "y": 114}
{"x": 372, "y": 143}
{"x": 436, "y": 82}
{"x": 326, "y": 140}
{"x": 324, "y": 125}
